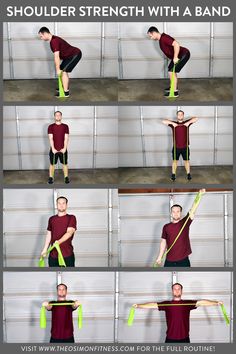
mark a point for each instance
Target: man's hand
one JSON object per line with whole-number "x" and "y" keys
{"x": 202, "y": 191}
{"x": 158, "y": 261}
{"x": 77, "y": 303}
{"x": 45, "y": 304}
{"x": 175, "y": 124}
{"x": 59, "y": 72}
{"x": 63, "y": 150}
{"x": 54, "y": 151}
{"x": 175, "y": 60}
{"x": 135, "y": 306}
{"x": 220, "y": 303}
{"x": 43, "y": 253}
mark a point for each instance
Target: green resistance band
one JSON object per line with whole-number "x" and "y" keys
{"x": 132, "y": 312}
{"x": 43, "y": 317}
{"x": 196, "y": 201}
{"x": 187, "y": 143}
{"x": 174, "y": 146}
{"x": 60, "y": 85}
{"x": 61, "y": 260}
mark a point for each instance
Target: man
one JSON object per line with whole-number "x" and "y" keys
{"x": 177, "y": 54}
{"x": 178, "y": 254}
{"x": 66, "y": 57}
{"x": 177, "y": 317}
{"x": 58, "y": 134}
{"x": 61, "y": 229}
{"x": 62, "y": 330}
{"x": 180, "y": 131}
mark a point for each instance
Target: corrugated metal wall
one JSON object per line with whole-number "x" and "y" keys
{"x": 143, "y": 216}
{"x": 26, "y": 213}
{"x": 144, "y": 141}
{"x": 93, "y": 141}
{"x": 28, "y": 57}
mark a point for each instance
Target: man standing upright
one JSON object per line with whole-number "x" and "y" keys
{"x": 62, "y": 330}
{"x": 180, "y": 131}
{"x": 173, "y": 51}
{"x": 66, "y": 57}
{"x": 61, "y": 229}
{"x": 58, "y": 134}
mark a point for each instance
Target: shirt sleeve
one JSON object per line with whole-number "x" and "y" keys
{"x": 72, "y": 222}
{"x": 169, "y": 40}
{"x": 55, "y": 45}
{"x": 193, "y": 306}
{"x": 66, "y": 129}
{"x": 161, "y": 308}
{"x": 164, "y": 233}
{"x": 189, "y": 220}
{"x": 50, "y": 129}
{"x": 49, "y": 225}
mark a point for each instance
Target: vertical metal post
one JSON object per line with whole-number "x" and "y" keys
{"x": 9, "y": 43}
{"x": 94, "y": 136}
{"x": 119, "y": 234}
{"x": 102, "y": 49}
{"x": 55, "y": 195}
{"x": 56, "y": 33}
{"x": 211, "y": 49}
{"x": 165, "y": 59}
{"x": 120, "y": 63}
{"x": 174, "y": 277}
{"x": 142, "y": 136}
{"x": 4, "y": 321}
{"x": 18, "y": 137}
{"x": 116, "y": 305}
{"x": 59, "y": 278}
{"x": 110, "y": 228}
{"x": 226, "y": 235}
{"x": 215, "y": 135}
{"x": 171, "y": 202}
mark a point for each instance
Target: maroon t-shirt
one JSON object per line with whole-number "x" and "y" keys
{"x": 166, "y": 46}
{"x": 58, "y": 226}
{"x": 181, "y": 248}
{"x": 58, "y": 131}
{"x": 66, "y": 50}
{"x": 177, "y": 318}
{"x": 62, "y": 321}
{"x": 181, "y": 134}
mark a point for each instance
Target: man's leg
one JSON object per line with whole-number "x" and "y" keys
{"x": 175, "y": 80}
{"x": 70, "y": 261}
{"x": 174, "y": 166}
{"x": 65, "y": 81}
{"x": 185, "y": 155}
{"x": 51, "y": 170}
{"x": 187, "y": 166}
{"x": 53, "y": 262}
{"x": 52, "y": 159}
{"x": 63, "y": 160}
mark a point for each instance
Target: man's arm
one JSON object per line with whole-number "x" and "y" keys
{"x": 46, "y": 244}
{"x": 169, "y": 122}
{"x": 196, "y": 203}
{"x": 176, "y": 46}
{"x": 66, "y": 140}
{"x": 208, "y": 303}
{"x": 76, "y": 304}
{"x": 149, "y": 305}
{"x": 162, "y": 251}
{"x": 57, "y": 62}
{"x": 69, "y": 233}
{"x": 47, "y": 305}
{"x": 50, "y": 136}
{"x": 191, "y": 121}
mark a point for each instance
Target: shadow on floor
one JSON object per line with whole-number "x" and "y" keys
{"x": 197, "y": 90}
{"x": 200, "y": 174}
{"x": 91, "y": 90}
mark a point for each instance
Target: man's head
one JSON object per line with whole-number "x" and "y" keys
{"x": 62, "y": 204}
{"x": 176, "y": 212}
{"x": 154, "y": 33}
{"x": 61, "y": 291}
{"x": 58, "y": 116}
{"x": 44, "y": 34}
{"x": 180, "y": 115}
{"x": 177, "y": 290}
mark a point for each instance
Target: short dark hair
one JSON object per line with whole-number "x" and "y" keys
{"x": 177, "y": 284}
{"x": 61, "y": 197}
{"x": 180, "y": 110}
{"x": 152, "y": 29}
{"x": 176, "y": 205}
{"x": 44, "y": 30}
{"x": 57, "y": 112}
{"x": 60, "y": 285}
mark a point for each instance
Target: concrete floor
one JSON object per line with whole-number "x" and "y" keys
{"x": 197, "y": 90}
{"x": 95, "y": 90}
{"x": 85, "y": 177}
{"x": 200, "y": 174}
